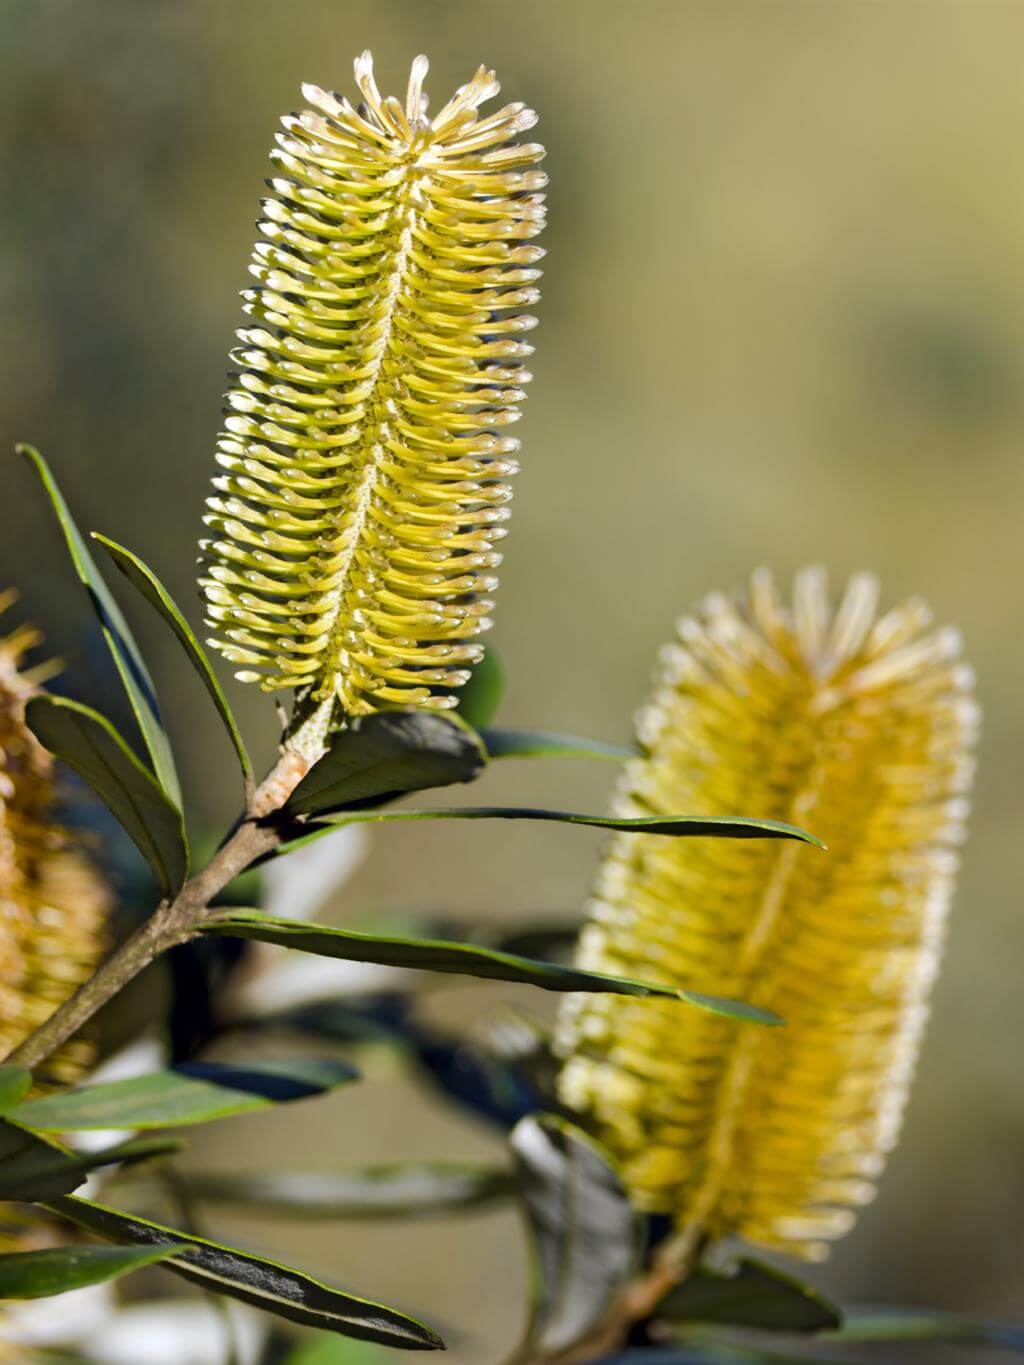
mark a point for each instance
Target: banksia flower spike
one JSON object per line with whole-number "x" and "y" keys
{"x": 53, "y": 902}
{"x": 365, "y": 462}
{"x": 859, "y": 729}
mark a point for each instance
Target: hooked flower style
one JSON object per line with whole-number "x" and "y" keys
{"x": 365, "y": 462}
{"x": 53, "y": 902}
{"x": 859, "y": 728}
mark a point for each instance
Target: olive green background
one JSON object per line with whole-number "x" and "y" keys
{"x": 782, "y": 323}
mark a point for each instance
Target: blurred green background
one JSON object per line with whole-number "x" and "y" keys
{"x": 782, "y": 322}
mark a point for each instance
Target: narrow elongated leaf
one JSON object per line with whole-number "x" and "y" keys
{"x": 585, "y": 1238}
{"x": 756, "y": 1295}
{"x": 408, "y": 1190}
{"x": 87, "y": 742}
{"x": 15, "y": 1083}
{"x": 38, "y": 1274}
{"x": 194, "y": 1092}
{"x": 692, "y": 826}
{"x": 125, "y": 652}
{"x": 265, "y": 1284}
{"x": 385, "y": 755}
{"x": 926, "y": 1324}
{"x": 501, "y": 743}
{"x": 142, "y": 577}
{"x": 480, "y": 698}
{"x": 33, "y": 1168}
{"x": 462, "y": 959}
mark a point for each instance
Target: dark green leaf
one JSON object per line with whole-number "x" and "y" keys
{"x": 87, "y": 742}
{"x": 194, "y": 1092}
{"x": 585, "y": 1237}
{"x": 265, "y": 1284}
{"x": 409, "y": 1190}
{"x": 480, "y": 698}
{"x": 15, "y": 1083}
{"x": 693, "y": 826}
{"x": 925, "y": 1324}
{"x": 33, "y": 1168}
{"x": 549, "y": 744}
{"x": 463, "y": 959}
{"x": 386, "y": 755}
{"x": 756, "y": 1295}
{"x": 125, "y": 652}
{"x": 332, "y": 1351}
{"x": 145, "y": 580}
{"x": 38, "y": 1274}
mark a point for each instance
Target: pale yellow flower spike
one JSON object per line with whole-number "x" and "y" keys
{"x": 860, "y": 730}
{"x": 365, "y": 462}
{"x": 53, "y": 902}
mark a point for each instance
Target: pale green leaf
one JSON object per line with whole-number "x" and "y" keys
{"x": 194, "y": 1092}
{"x": 56, "y": 1270}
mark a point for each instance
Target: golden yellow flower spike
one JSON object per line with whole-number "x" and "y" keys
{"x": 859, "y": 729}
{"x": 53, "y": 903}
{"x": 365, "y": 467}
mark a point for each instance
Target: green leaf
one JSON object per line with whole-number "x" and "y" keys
{"x": 194, "y": 1092}
{"x": 462, "y": 959}
{"x": 480, "y": 698}
{"x": 38, "y": 1274}
{"x": 549, "y": 744}
{"x": 585, "y": 1238}
{"x": 125, "y": 652}
{"x": 755, "y": 1295}
{"x": 33, "y": 1168}
{"x": 87, "y": 742}
{"x": 926, "y": 1324}
{"x": 146, "y": 582}
{"x": 265, "y": 1284}
{"x": 692, "y": 826}
{"x": 15, "y": 1083}
{"x": 407, "y": 1190}
{"x": 385, "y": 755}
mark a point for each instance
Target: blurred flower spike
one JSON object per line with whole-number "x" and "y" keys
{"x": 53, "y": 902}
{"x": 365, "y": 465}
{"x": 859, "y": 728}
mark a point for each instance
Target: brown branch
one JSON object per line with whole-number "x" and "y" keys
{"x": 173, "y": 921}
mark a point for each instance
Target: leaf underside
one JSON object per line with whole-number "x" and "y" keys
{"x": 585, "y": 1238}
{"x": 265, "y": 1284}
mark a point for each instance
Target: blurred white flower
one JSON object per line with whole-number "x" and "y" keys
{"x": 167, "y": 1332}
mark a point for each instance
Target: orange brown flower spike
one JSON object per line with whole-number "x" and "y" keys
{"x": 859, "y": 728}
{"x": 53, "y": 901}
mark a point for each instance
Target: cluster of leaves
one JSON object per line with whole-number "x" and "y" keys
{"x": 368, "y": 766}
{"x": 587, "y": 1243}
